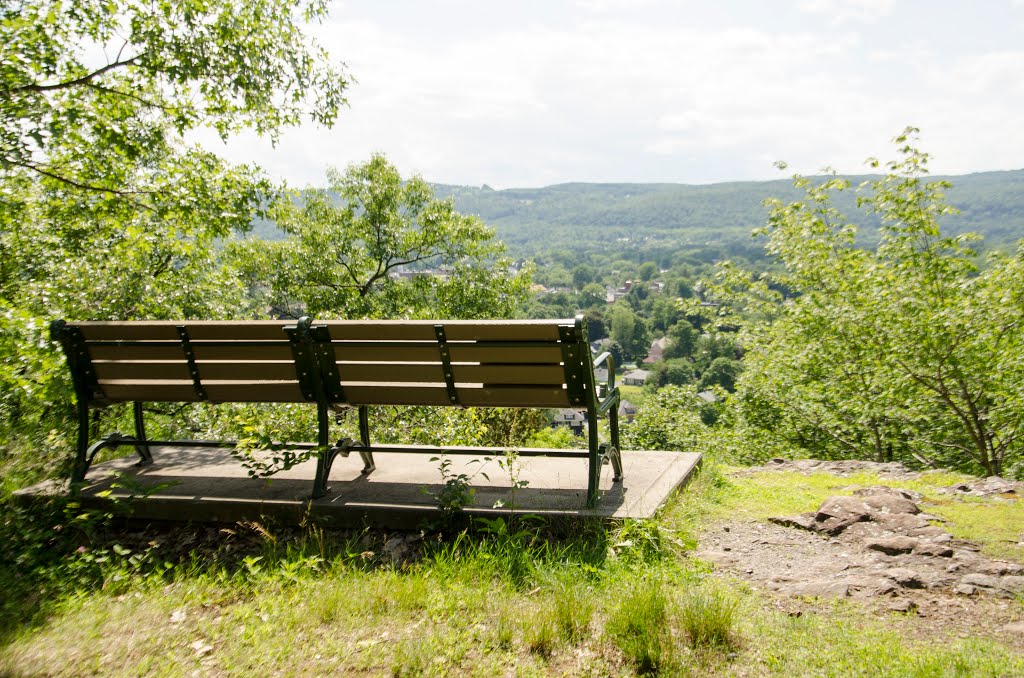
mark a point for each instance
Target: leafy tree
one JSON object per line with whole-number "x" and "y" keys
{"x": 647, "y": 271}
{"x": 663, "y": 313}
{"x": 721, "y": 372}
{"x": 675, "y": 372}
{"x": 106, "y": 209}
{"x": 627, "y": 330}
{"x": 683, "y": 340}
{"x": 669, "y": 420}
{"x": 592, "y": 295}
{"x": 709, "y": 347}
{"x": 906, "y": 348}
{"x": 582, "y": 275}
{"x": 379, "y": 252}
{"x": 596, "y": 328}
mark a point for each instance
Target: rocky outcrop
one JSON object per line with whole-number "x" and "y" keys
{"x": 912, "y": 552}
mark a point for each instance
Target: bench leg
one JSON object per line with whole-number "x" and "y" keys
{"x": 81, "y": 458}
{"x": 140, "y": 434}
{"x": 616, "y": 451}
{"x": 364, "y": 438}
{"x": 594, "y": 472}
{"x": 324, "y": 455}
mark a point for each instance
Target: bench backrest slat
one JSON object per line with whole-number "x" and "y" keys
{"x": 418, "y": 394}
{"x": 157, "y": 391}
{"x": 198, "y": 330}
{"x": 456, "y": 330}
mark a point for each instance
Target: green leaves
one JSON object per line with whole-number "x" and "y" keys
{"x": 375, "y": 245}
{"x": 905, "y": 350}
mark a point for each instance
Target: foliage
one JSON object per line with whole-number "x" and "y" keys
{"x": 456, "y": 492}
{"x": 389, "y": 249}
{"x": 106, "y": 204}
{"x": 674, "y": 418}
{"x": 903, "y": 350}
{"x": 107, "y": 210}
{"x": 721, "y": 372}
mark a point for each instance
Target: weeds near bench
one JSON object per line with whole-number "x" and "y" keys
{"x": 457, "y": 492}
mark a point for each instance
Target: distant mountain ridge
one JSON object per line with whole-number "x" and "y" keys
{"x": 577, "y": 214}
{"x": 717, "y": 218}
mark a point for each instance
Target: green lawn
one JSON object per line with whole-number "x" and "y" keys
{"x": 258, "y": 601}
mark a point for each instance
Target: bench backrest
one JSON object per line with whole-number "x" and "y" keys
{"x": 156, "y": 361}
{"x": 501, "y": 363}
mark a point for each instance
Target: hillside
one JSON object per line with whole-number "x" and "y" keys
{"x": 572, "y": 215}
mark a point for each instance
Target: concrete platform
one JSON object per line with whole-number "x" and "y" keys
{"x": 209, "y": 485}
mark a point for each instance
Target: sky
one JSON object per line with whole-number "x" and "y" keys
{"x": 534, "y": 93}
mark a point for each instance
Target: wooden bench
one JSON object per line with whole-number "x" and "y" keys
{"x": 339, "y": 364}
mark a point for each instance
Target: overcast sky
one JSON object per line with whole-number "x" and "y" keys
{"x": 523, "y": 94}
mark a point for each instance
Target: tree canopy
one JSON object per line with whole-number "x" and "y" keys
{"x": 375, "y": 245}
{"x": 906, "y": 347}
{"x": 107, "y": 209}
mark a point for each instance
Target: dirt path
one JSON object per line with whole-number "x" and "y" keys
{"x": 879, "y": 550}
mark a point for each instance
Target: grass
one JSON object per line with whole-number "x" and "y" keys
{"x": 708, "y": 616}
{"x": 995, "y": 523}
{"x": 504, "y": 600}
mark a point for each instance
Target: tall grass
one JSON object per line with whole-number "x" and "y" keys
{"x": 638, "y": 627}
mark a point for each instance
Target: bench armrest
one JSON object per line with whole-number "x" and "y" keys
{"x": 613, "y": 393}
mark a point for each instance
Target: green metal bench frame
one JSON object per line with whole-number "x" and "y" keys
{"x": 321, "y": 371}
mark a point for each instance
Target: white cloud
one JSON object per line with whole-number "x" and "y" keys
{"x": 845, "y": 11}
{"x": 585, "y": 98}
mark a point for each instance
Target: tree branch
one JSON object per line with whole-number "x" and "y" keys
{"x": 84, "y": 80}
{"x": 127, "y": 195}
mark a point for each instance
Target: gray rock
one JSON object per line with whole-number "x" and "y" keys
{"x": 1015, "y": 627}
{"x": 859, "y": 532}
{"x": 892, "y": 546}
{"x": 982, "y": 580}
{"x": 902, "y": 605}
{"x": 935, "y": 535}
{"x": 804, "y": 521}
{"x": 878, "y": 490}
{"x": 837, "y": 513}
{"x": 1003, "y": 587}
{"x": 933, "y": 550}
{"x": 999, "y": 568}
{"x": 966, "y": 589}
{"x": 902, "y": 522}
{"x": 1013, "y": 583}
{"x": 889, "y": 504}
{"x": 823, "y": 588}
{"x": 905, "y": 577}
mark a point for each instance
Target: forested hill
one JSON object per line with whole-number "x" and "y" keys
{"x": 580, "y": 215}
